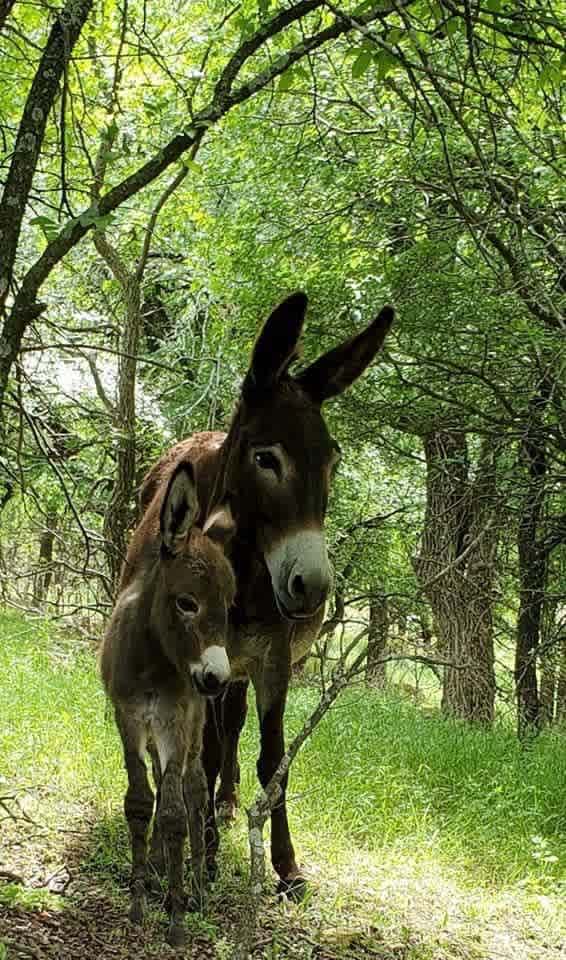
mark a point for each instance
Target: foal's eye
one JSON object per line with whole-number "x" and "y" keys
{"x": 187, "y": 604}
{"x": 266, "y": 460}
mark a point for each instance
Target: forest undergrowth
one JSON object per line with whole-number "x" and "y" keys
{"x": 423, "y": 839}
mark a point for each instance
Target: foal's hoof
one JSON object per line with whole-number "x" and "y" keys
{"x": 293, "y": 888}
{"x": 177, "y": 934}
{"x": 226, "y": 811}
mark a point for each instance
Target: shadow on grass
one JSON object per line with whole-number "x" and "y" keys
{"x": 90, "y": 920}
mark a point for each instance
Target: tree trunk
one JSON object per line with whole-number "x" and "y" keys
{"x": 5, "y": 7}
{"x": 44, "y": 89}
{"x": 549, "y": 664}
{"x": 378, "y": 640}
{"x": 456, "y": 569}
{"x": 547, "y": 690}
{"x": 44, "y": 577}
{"x": 120, "y": 512}
{"x": 560, "y": 712}
{"x": 532, "y": 574}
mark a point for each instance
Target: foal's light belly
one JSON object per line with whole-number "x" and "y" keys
{"x": 173, "y": 725}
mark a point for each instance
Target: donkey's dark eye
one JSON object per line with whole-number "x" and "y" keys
{"x": 187, "y": 604}
{"x": 266, "y": 460}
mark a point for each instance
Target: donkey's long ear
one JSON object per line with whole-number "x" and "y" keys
{"x": 277, "y": 342}
{"x": 179, "y": 508}
{"x": 332, "y": 373}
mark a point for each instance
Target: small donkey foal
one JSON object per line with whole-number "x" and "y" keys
{"x": 163, "y": 653}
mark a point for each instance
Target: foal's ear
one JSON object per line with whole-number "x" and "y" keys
{"x": 179, "y": 508}
{"x": 332, "y": 373}
{"x": 277, "y": 343}
{"x": 220, "y": 525}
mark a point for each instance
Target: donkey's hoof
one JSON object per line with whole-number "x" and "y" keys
{"x": 293, "y": 888}
{"x": 227, "y": 811}
{"x": 137, "y": 911}
{"x": 177, "y": 934}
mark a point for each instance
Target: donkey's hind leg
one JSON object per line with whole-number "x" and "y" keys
{"x": 138, "y": 807}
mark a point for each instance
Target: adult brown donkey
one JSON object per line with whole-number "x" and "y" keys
{"x": 163, "y": 653}
{"x": 273, "y": 471}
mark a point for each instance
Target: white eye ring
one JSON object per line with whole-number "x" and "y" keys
{"x": 187, "y": 605}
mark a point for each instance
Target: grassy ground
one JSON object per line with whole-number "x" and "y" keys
{"x": 424, "y": 840}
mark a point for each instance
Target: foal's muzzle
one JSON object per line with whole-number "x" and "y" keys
{"x": 212, "y": 673}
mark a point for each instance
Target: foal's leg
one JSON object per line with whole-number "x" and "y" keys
{"x": 271, "y": 682}
{"x": 171, "y": 731}
{"x": 173, "y": 825}
{"x": 138, "y": 807}
{"x": 156, "y": 854}
{"x": 234, "y": 710}
{"x": 196, "y": 799}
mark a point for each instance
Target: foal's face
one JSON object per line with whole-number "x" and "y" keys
{"x": 195, "y": 587}
{"x": 199, "y": 588}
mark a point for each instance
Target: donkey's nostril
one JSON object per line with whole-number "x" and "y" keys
{"x": 298, "y": 586}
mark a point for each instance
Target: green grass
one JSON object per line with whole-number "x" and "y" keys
{"x": 393, "y": 776}
{"x": 400, "y": 814}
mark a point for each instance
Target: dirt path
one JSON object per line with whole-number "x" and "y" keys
{"x": 69, "y": 902}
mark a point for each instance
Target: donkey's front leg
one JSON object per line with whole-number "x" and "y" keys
{"x": 271, "y": 685}
{"x": 138, "y": 807}
{"x": 234, "y": 708}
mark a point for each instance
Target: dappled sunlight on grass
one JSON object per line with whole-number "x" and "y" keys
{"x": 384, "y": 774}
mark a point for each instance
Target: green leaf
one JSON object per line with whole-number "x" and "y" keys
{"x": 285, "y": 81}
{"x": 362, "y": 8}
{"x": 385, "y": 62}
{"x": 395, "y": 35}
{"x": 43, "y": 222}
{"x": 361, "y": 63}
{"x": 48, "y": 227}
